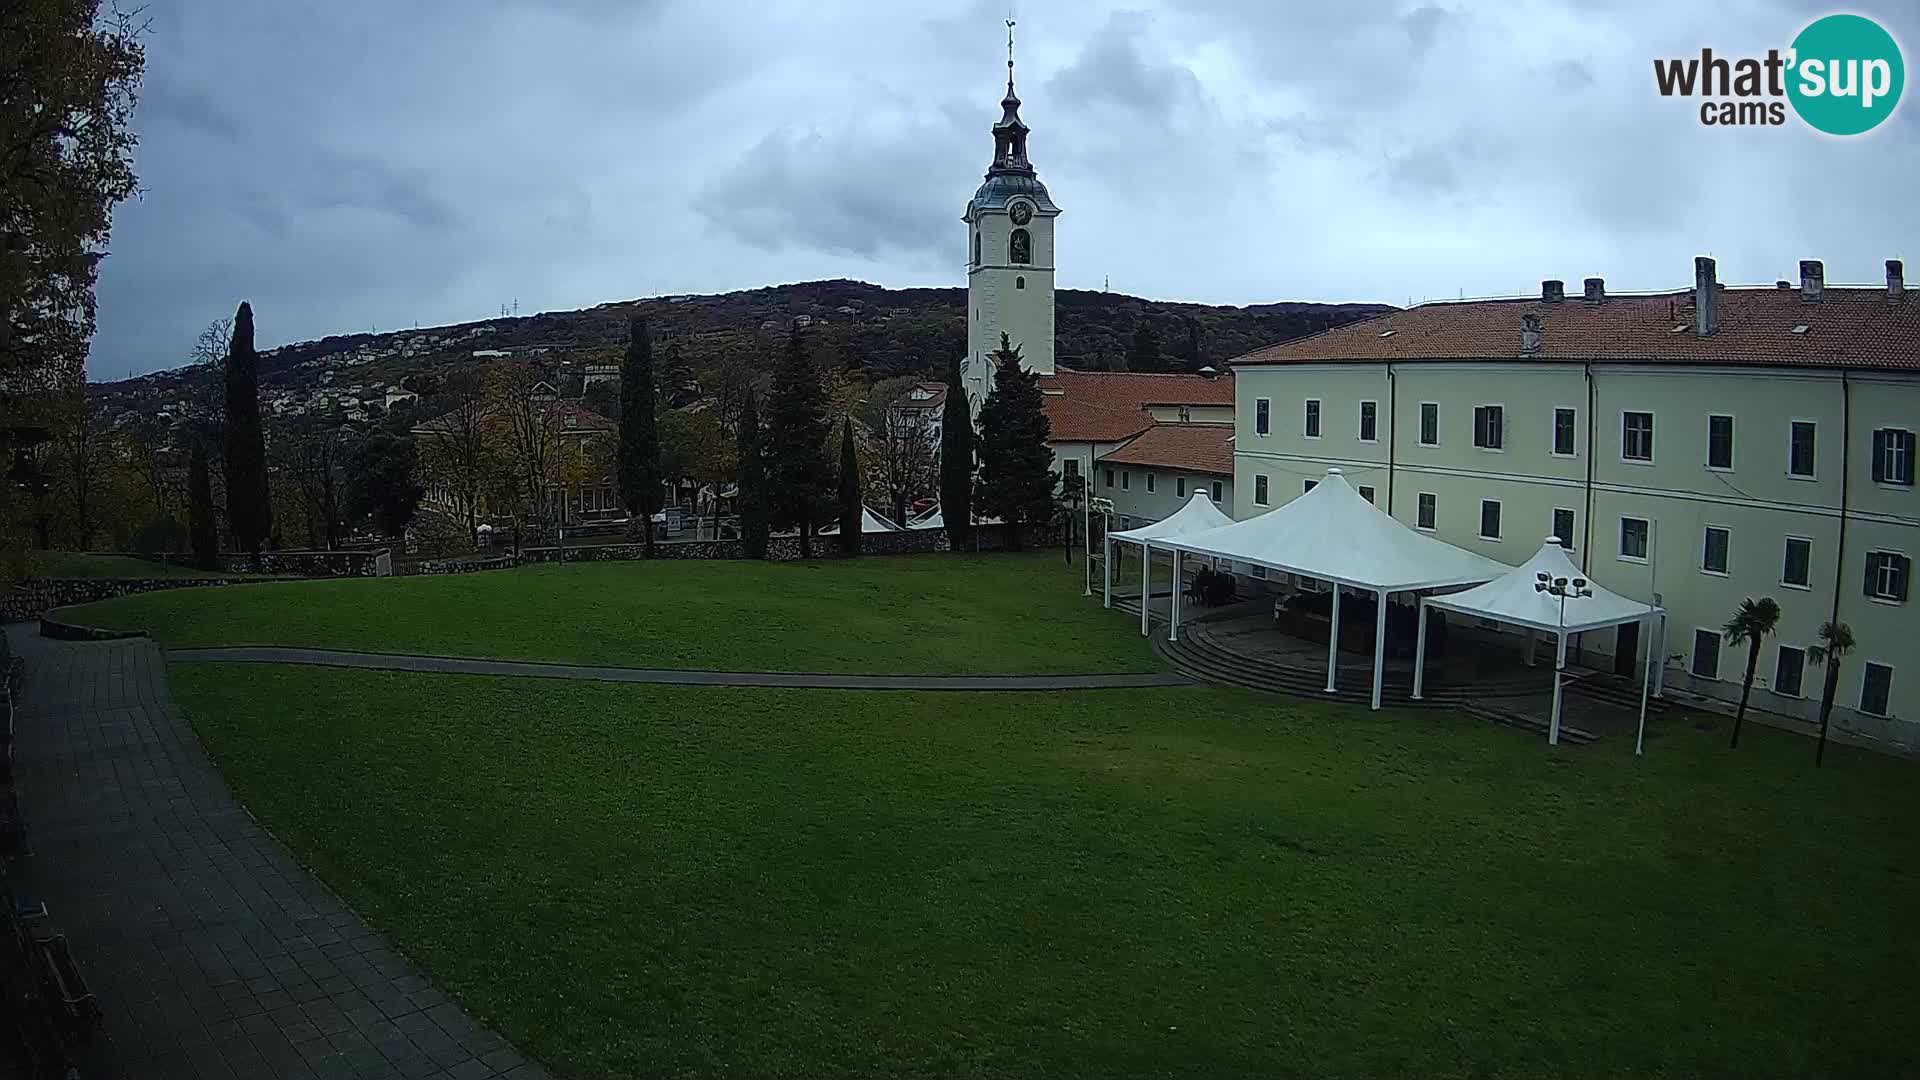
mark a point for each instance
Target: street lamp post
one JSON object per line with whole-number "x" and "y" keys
{"x": 1562, "y": 588}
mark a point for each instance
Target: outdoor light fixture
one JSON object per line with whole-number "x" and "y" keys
{"x": 1562, "y": 588}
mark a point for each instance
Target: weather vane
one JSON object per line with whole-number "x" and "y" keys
{"x": 1009, "y": 45}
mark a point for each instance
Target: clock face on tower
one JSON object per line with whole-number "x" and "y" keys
{"x": 1022, "y": 213}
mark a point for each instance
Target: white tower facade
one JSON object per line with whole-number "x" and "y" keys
{"x": 1010, "y": 255}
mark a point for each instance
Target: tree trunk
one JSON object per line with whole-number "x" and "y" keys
{"x": 1746, "y": 691}
{"x": 1826, "y": 708}
{"x": 1068, "y": 539}
{"x": 1013, "y": 535}
{"x": 806, "y": 539}
{"x": 646, "y": 533}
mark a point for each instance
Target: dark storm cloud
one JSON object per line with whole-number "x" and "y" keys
{"x": 365, "y": 164}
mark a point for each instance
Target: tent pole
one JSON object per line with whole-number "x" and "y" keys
{"x": 1146, "y": 584}
{"x": 1173, "y": 622}
{"x": 1420, "y": 652}
{"x": 1559, "y": 667}
{"x": 1640, "y": 736}
{"x": 1333, "y": 637}
{"x": 1660, "y": 662}
{"x": 1106, "y": 571}
{"x": 1379, "y": 645}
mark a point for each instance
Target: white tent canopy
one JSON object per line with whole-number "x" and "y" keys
{"x": 870, "y": 522}
{"x": 1197, "y": 516}
{"x": 1334, "y": 533}
{"x": 1547, "y": 592}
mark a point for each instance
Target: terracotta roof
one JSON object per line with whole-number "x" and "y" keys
{"x": 1138, "y": 389}
{"x": 1206, "y": 448}
{"x": 1072, "y": 420}
{"x": 1847, "y": 327}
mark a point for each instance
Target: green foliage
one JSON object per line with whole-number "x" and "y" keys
{"x": 639, "y": 457}
{"x": 1016, "y": 483}
{"x": 1836, "y": 641}
{"x": 203, "y": 530}
{"x": 752, "y": 485}
{"x": 249, "y": 504}
{"x": 851, "y": 502}
{"x": 956, "y": 460}
{"x": 1144, "y": 353}
{"x": 382, "y": 484}
{"x": 799, "y": 480}
{"x": 161, "y": 536}
{"x": 1752, "y": 622}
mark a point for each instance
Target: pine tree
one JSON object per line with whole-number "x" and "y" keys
{"x": 249, "y": 506}
{"x": 956, "y": 461}
{"x": 1145, "y": 353}
{"x": 751, "y": 482}
{"x": 1016, "y": 483}
{"x": 639, "y": 456}
{"x": 799, "y": 481}
{"x": 851, "y": 505}
{"x": 202, "y": 529}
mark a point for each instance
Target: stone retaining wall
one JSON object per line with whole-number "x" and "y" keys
{"x": 779, "y": 549}
{"x": 35, "y": 597}
{"x": 306, "y": 564}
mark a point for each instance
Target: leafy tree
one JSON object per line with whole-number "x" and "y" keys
{"x": 900, "y": 442}
{"x": 1144, "y": 354}
{"x": 249, "y": 506}
{"x": 639, "y": 460}
{"x": 956, "y": 460}
{"x": 200, "y": 524}
{"x": 752, "y": 486}
{"x": 852, "y": 504}
{"x": 160, "y": 538}
{"x": 1016, "y": 483}
{"x": 1836, "y": 641}
{"x": 381, "y": 484}
{"x": 674, "y": 383}
{"x": 1192, "y": 353}
{"x": 532, "y": 424}
{"x": 694, "y": 446}
{"x": 1751, "y": 623}
{"x": 458, "y": 453}
{"x": 314, "y": 456}
{"x": 799, "y": 481}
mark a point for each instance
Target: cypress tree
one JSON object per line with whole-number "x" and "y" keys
{"x": 203, "y": 532}
{"x": 1144, "y": 355}
{"x": 850, "y": 501}
{"x": 1016, "y": 483}
{"x": 249, "y": 506}
{"x": 956, "y": 461}
{"x": 751, "y": 484}
{"x": 799, "y": 481}
{"x": 639, "y": 455}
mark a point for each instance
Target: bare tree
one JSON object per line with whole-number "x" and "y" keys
{"x": 313, "y": 455}
{"x": 454, "y": 452}
{"x": 903, "y": 457}
{"x": 208, "y": 402}
{"x": 78, "y": 445}
{"x": 532, "y": 423}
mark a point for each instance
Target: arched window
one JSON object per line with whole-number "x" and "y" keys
{"x": 1022, "y": 246}
{"x": 1019, "y": 283}
{"x": 976, "y": 247}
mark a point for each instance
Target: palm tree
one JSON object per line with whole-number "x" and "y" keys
{"x": 1754, "y": 621}
{"x": 1836, "y": 641}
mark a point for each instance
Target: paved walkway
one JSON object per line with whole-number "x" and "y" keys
{"x": 211, "y": 951}
{"x": 273, "y": 654}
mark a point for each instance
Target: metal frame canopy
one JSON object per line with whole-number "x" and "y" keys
{"x": 1197, "y": 516}
{"x": 1335, "y": 534}
{"x": 1541, "y": 594}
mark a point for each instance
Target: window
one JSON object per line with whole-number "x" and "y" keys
{"x": 1070, "y": 474}
{"x": 1262, "y": 424}
{"x": 976, "y": 247}
{"x": 1719, "y": 442}
{"x": 1893, "y": 457}
{"x": 1713, "y": 552}
{"x": 1876, "y": 686}
{"x": 1369, "y": 421}
{"x": 1633, "y": 538}
{"x": 1216, "y": 491}
{"x": 1366, "y": 492}
{"x": 1186, "y": 414}
{"x": 1800, "y": 450}
{"x": 1255, "y": 570}
{"x": 1563, "y": 432}
{"x": 1020, "y": 282}
{"x": 1798, "y": 564}
{"x": 1788, "y": 670}
{"x": 1312, "y": 426}
{"x": 1490, "y": 426}
{"x": 1636, "y": 436}
{"x": 1563, "y": 527}
{"x": 1887, "y": 574}
{"x": 1109, "y": 478}
{"x": 1309, "y": 486}
{"x": 1260, "y": 491}
{"x": 1489, "y": 519}
{"x": 1126, "y": 478}
{"x": 1020, "y": 247}
{"x": 1149, "y": 481}
{"x": 1179, "y": 487}
{"x": 1429, "y": 510}
{"x": 1429, "y": 423}
{"x": 1706, "y": 654}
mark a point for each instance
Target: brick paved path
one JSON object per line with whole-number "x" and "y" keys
{"x": 212, "y": 952}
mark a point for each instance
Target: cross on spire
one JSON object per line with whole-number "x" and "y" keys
{"x": 1010, "y": 134}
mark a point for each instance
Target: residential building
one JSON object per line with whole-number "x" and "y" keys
{"x": 574, "y": 428}
{"x": 1155, "y": 473}
{"x": 1693, "y": 448}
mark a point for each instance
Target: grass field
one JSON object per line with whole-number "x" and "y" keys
{"x": 1194, "y": 882}
{"x": 935, "y": 614}
{"x": 89, "y": 564}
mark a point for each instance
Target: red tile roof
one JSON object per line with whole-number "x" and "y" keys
{"x": 1108, "y": 406}
{"x": 1072, "y": 420}
{"x": 1205, "y": 448}
{"x": 1847, "y": 327}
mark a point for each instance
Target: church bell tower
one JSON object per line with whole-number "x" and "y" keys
{"x": 1010, "y": 245}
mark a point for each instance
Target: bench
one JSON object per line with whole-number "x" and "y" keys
{"x": 67, "y": 994}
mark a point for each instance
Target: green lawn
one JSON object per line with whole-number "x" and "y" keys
{"x": 1188, "y": 882}
{"x": 89, "y": 564}
{"x": 934, "y": 614}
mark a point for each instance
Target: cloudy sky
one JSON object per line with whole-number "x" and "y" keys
{"x": 349, "y": 165}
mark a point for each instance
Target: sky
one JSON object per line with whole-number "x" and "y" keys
{"x": 355, "y": 165}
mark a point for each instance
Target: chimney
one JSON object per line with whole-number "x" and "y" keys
{"x": 1553, "y": 291}
{"x": 1532, "y": 336}
{"x": 1596, "y": 290}
{"x": 1813, "y": 280}
{"x": 1706, "y": 297}
{"x": 1896, "y": 281}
